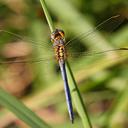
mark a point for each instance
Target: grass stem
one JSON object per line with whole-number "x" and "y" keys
{"x": 48, "y": 17}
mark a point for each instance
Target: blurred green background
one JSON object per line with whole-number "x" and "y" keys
{"x": 102, "y": 79}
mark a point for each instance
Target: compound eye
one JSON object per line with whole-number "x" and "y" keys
{"x": 61, "y": 32}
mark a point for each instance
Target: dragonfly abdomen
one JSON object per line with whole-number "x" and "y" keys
{"x": 60, "y": 53}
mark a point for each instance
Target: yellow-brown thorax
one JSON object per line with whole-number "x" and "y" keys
{"x": 58, "y": 39}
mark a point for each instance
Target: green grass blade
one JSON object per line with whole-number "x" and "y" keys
{"x": 21, "y": 111}
{"x": 117, "y": 109}
{"x": 48, "y": 17}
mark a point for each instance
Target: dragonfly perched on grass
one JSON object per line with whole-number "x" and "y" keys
{"x": 60, "y": 47}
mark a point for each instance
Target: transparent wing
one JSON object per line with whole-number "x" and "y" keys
{"x": 15, "y": 37}
{"x": 98, "y": 53}
{"x": 97, "y": 61}
{"x": 114, "y": 20}
{"x": 92, "y": 38}
{"x": 21, "y": 57}
{"x": 79, "y": 46}
{"x": 17, "y": 49}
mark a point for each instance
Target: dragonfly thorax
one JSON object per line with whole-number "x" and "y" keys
{"x": 57, "y": 37}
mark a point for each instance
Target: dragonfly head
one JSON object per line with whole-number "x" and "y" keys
{"x": 58, "y": 36}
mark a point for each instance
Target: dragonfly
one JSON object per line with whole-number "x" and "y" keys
{"x": 58, "y": 39}
{"x": 60, "y": 52}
